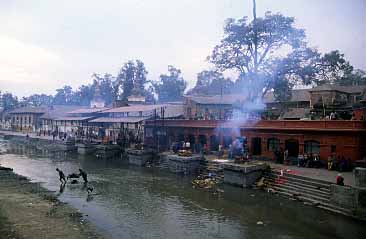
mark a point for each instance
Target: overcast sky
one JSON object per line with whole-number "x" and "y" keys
{"x": 45, "y": 44}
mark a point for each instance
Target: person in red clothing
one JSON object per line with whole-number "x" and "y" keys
{"x": 340, "y": 180}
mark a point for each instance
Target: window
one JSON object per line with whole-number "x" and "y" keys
{"x": 273, "y": 144}
{"x": 312, "y": 147}
{"x": 30, "y": 119}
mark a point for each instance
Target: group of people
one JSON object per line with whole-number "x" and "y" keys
{"x": 339, "y": 163}
{"x": 63, "y": 178}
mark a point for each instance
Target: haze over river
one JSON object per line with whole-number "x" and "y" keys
{"x": 134, "y": 202}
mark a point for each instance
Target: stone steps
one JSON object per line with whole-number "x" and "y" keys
{"x": 300, "y": 188}
{"x": 300, "y": 177}
{"x": 309, "y": 182}
{"x": 316, "y": 192}
{"x": 319, "y": 204}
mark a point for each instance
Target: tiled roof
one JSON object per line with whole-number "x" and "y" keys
{"x": 296, "y": 96}
{"x": 228, "y": 99}
{"x": 118, "y": 120}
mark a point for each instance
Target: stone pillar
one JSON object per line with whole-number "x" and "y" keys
{"x": 360, "y": 191}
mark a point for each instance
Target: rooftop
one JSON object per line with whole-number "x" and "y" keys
{"x": 346, "y": 89}
{"x": 58, "y": 111}
{"x": 134, "y": 108}
{"x": 88, "y": 110}
{"x": 119, "y": 120}
{"x": 71, "y": 118}
{"x": 296, "y": 113}
{"x": 301, "y": 95}
{"x": 32, "y": 110}
{"x": 227, "y": 99}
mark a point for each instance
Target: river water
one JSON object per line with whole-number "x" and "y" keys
{"x": 134, "y": 202}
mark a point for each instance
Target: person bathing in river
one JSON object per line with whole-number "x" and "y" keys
{"x": 84, "y": 175}
{"x": 61, "y": 175}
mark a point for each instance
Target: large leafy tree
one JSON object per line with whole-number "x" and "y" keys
{"x": 171, "y": 86}
{"x": 63, "y": 96}
{"x": 131, "y": 79}
{"x": 333, "y": 68}
{"x": 211, "y": 82}
{"x": 264, "y": 50}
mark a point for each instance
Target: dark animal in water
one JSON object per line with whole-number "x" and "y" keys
{"x": 74, "y": 181}
{"x": 89, "y": 189}
{"x": 73, "y": 175}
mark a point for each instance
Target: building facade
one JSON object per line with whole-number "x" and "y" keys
{"x": 323, "y": 138}
{"x": 27, "y": 119}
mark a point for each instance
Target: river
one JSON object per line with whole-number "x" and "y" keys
{"x": 134, "y": 202}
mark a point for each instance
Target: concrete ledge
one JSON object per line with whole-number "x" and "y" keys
{"x": 243, "y": 175}
{"x": 185, "y": 165}
{"x": 139, "y": 157}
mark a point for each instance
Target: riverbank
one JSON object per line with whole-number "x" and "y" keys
{"x": 29, "y": 211}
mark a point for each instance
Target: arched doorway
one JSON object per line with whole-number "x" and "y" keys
{"x": 256, "y": 146}
{"x": 292, "y": 145}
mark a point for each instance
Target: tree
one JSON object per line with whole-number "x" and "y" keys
{"x": 255, "y": 50}
{"x": 131, "y": 80}
{"x": 10, "y": 101}
{"x": 37, "y": 100}
{"x": 171, "y": 86}
{"x": 333, "y": 68}
{"x": 63, "y": 96}
{"x": 212, "y": 83}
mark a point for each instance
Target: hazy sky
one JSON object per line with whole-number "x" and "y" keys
{"x": 45, "y": 44}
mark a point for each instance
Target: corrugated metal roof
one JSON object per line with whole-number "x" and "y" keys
{"x": 296, "y": 96}
{"x": 34, "y": 110}
{"x": 134, "y": 108}
{"x": 88, "y": 110}
{"x": 346, "y": 89}
{"x": 227, "y": 99}
{"x": 296, "y": 113}
{"x": 173, "y": 111}
{"x": 71, "y": 118}
{"x": 118, "y": 120}
{"x": 58, "y": 111}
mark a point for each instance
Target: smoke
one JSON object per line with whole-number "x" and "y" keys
{"x": 246, "y": 111}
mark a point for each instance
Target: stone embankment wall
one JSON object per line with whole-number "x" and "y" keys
{"x": 353, "y": 198}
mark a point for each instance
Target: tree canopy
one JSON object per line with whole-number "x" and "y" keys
{"x": 211, "y": 82}
{"x": 171, "y": 86}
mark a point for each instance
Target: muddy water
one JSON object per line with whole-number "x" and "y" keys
{"x": 133, "y": 202}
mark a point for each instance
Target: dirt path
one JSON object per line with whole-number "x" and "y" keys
{"x": 28, "y": 211}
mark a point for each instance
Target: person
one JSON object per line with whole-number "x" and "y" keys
{"x": 340, "y": 180}
{"x": 330, "y": 163}
{"x": 343, "y": 164}
{"x": 84, "y": 175}
{"x": 61, "y": 175}
{"x": 332, "y": 116}
{"x": 221, "y": 152}
{"x": 285, "y": 157}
